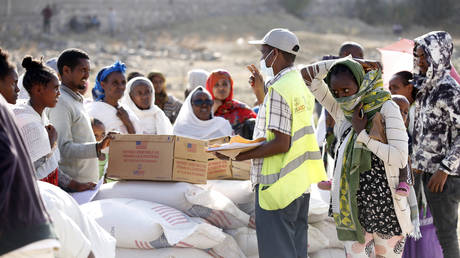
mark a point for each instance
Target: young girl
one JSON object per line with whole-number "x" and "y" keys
{"x": 401, "y": 84}
{"x": 42, "y": 84}
{"x": 98, "y": 129}
{"x": 43, "y": 87}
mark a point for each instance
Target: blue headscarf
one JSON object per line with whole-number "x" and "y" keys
{"x": 98, "y": 91}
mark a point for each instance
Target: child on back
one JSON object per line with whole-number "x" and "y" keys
{"x": 405, "y": 177}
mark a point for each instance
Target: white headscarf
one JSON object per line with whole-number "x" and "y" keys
{"x": 197, "y": 77}
{"x": 188, "y": 125}
{"x": 152, "y": 120}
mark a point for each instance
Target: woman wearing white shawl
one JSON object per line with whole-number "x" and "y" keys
{"x": 109, "y": 89}
{"x": 196, "y": 77}
{"x": 195, "y": 119}
{"x": 140, "y": 98}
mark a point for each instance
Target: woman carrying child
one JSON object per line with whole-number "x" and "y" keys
{"x": 370, "y": 218}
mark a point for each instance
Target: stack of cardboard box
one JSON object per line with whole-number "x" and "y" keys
{"x": 170, "y": 158}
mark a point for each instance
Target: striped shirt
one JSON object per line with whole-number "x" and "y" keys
{"x": 280, "y": 119}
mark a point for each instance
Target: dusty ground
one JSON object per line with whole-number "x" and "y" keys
{"x": 210, "y": 43}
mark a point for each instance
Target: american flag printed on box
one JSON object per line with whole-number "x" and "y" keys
{"x": 141, "y": 145}
{"x": 191, "y": 147}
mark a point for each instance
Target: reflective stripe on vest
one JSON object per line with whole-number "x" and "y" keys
{"x": 272, "y": 178}
{"x": 301, "y": 132}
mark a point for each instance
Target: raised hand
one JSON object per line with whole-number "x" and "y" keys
{"x": 257, "y": 83}
{"x": 359, "y": 120}
{"x": 124, "y": 117}
{"x": 369, "y": 65}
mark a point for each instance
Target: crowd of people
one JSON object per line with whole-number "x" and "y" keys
{"x": 396, "y": 150}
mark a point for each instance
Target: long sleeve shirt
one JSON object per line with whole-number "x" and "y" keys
{"x": 76, "y": 140}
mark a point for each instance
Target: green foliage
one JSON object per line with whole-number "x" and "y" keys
{"x": 294, "y": 7}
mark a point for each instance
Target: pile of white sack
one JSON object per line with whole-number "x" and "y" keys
{"x": 175, "y": 219}
{"x": 322, "y": 234}
{"x": 78, "y": 234}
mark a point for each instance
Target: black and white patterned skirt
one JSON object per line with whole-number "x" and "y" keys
{"x": 375, "y": 203}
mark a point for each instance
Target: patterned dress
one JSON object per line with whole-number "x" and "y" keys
{"x": 375, "y": 204}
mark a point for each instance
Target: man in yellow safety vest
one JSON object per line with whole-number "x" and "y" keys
{"x": 285, "y": 166}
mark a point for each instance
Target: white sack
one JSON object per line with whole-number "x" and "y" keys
{"x": 147, "y": 225}
{"x": 162, "y": 253}
{"x": 72, "y": 226}
{"x": 188, "y": 198}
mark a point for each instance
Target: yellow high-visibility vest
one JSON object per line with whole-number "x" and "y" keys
{"x": 286, "y": 176}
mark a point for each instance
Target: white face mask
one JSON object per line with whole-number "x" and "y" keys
{"x": 267, "y": 71}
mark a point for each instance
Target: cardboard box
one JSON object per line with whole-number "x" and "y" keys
{"x": 223, "y": 169}
{"x": 227, "y": 169}
{"x": 241, "y": 169}
{"x": 218, "y": 169}
{"x": 158, "y": 157}
{"x": 191, "y": 149}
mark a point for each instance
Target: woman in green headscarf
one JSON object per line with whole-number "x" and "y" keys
{"x": 370, "y": 218}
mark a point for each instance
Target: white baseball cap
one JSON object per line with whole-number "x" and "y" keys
{"x": 282, "y": 39}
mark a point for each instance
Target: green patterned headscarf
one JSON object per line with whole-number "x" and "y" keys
{"x": 357, "y": 158}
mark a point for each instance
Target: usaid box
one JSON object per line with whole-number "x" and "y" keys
{"x": 227, "y": 169}
{"x": 218, "y": 169}
{"x": 241, "y": 169}
{"x": 158, "y": 158}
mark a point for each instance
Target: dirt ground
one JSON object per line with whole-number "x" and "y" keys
{"x": 209, "y": 43}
